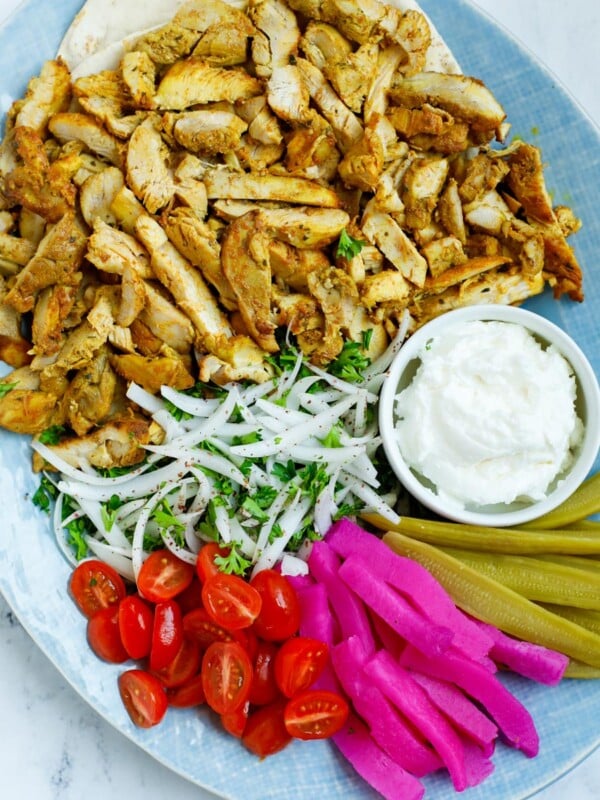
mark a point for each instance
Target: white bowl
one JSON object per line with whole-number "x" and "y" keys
{"x": 587, "y": 406}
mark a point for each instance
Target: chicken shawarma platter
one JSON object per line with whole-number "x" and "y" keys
{"x": 173, "y": 199}
{"x": 219, "y": 222}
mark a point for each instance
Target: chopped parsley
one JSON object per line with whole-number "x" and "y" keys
{"x": 234, "y": 563}
{"x": 5, "y": 388}
{"x": 53, "y": 434}
{"x": 351, "y": 362}
{"x": 348, "y": 246}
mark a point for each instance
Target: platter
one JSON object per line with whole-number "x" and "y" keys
{"x": 33, "y": 575}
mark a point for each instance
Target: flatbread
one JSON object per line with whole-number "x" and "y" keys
{"x": 100, "y": 32}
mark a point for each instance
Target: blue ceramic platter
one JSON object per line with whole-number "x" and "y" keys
{"x": 33, "y": 574}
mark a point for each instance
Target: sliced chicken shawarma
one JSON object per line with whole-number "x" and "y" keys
{"x": 195, "y": 82}
{"x": 383, "y": 231}
{"x": 338, "y": 299}
{"x": 245, "y": 261}
{"x": 279, "y": 37}
{"x": 199, "y": 244}
{"x": 14, "y": 347}
{"x": 57, "y": 260}
{"x": 207, "y": 131}
{"x": 305, "y": 227}
{"x": 166, "y": 322}
{"x": 464, "y": 97}
{"x": 223, "y": 184}
{"x": 73, "y": 126}
{"x": 185, "y": 283}
{"x": 347, "y": 127}
{"x": 148, "y": 170}
{"x": 47, "y": 94}
{"x": 112, "y": 250}
{"x": 118, "y": 443}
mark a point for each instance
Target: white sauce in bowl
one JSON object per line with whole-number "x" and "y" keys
{"x": 489, "y": 416}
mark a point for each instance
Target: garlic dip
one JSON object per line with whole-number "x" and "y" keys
{"x": 489, "y": 417}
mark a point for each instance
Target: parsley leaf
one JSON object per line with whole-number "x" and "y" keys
{"x": 52, "y": 435}
{"x": 5, "y": 388}
{"x": 350, "y": 363}
{"x": 250, "y": 505}
{"x": 348, "y": 246}
{"x": 166, "y": 519}
{"x": 44, "y": 494}
{"x": 108, "y": 511}
{"x": 234, "y": 563}
{"x": 285, "y": 472}
{"x": 332, "y": 439}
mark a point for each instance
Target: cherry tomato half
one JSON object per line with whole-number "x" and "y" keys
{"x": 265, "y": 732}
{"x": 279, "y": 617}
{"x": 205, "y": 562}
{"x": 95, "y": 585}
{"x": 235, "y": 721}
{"x": 135, "y": 626}
{"x": 231, "y": 601}
{"x": 163, "y": 576}
{"x": 226, "y": 676}
{"x": 188, "y": 695}
{"x": 264, "y": 689}
{"x": 104, "y": 637}
{"x": 143, "y": 696}
{"x": 191, "y": 597}
{"x": 200, "y": 627}
{"x": 167, "y": 634}
{"x": 299, "y": 663}
{"x": 315, "y": 714}
{"x": 182, "y": 667}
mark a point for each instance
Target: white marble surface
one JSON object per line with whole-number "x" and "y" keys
{"x": 56, "y": 748}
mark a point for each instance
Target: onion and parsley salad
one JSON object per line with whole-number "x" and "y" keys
{"x": 263, "y": 469}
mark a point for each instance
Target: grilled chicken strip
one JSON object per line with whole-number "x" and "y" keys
{"x": 466, "y": 98}
{"x": 57, "y": 260}
{"x": 347, "y": 127}
{"x": 118, "y": 443}
{"x": 47, "y": 94}
{"x": 338, "y": 298}
{"x": 97, "y": 194}
{"x": 245, "y": 261}
{"x": 383, "y": 231}
{"x": 152, "y": 373}
{"x": 195, "y": 82}
{"x": 148, "y": 170}
{"x": 14, "y": 347}
{"x": 185, "y": 283}
{"x": 280, "y": 34}
{"x": 199, "y": 244}
{"x": 112, "y": 250}
{"x": 166, "y": 322}
{"x": 52, "y": 307}
{"x": 73, "y": 126}
{"x": 223, "y": 184}
{"x": 306, "y": 228}
{"x": 207, "y": 131}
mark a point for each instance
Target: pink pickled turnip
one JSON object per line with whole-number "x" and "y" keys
{"x": 349, "y": 611}
{"x": 376, "y": 767}
{"x": 510, "y": 715}
{"x": 347, "y": 538}
{"x": 406, "y": 694}
{"x": 394, "y": 609}
{"x": 465, "y": 716}
{"x": 388, "y": 728}
{"x": 525, "y": 658}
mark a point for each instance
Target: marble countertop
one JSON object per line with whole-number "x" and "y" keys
{"x": 54, "y": 747}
